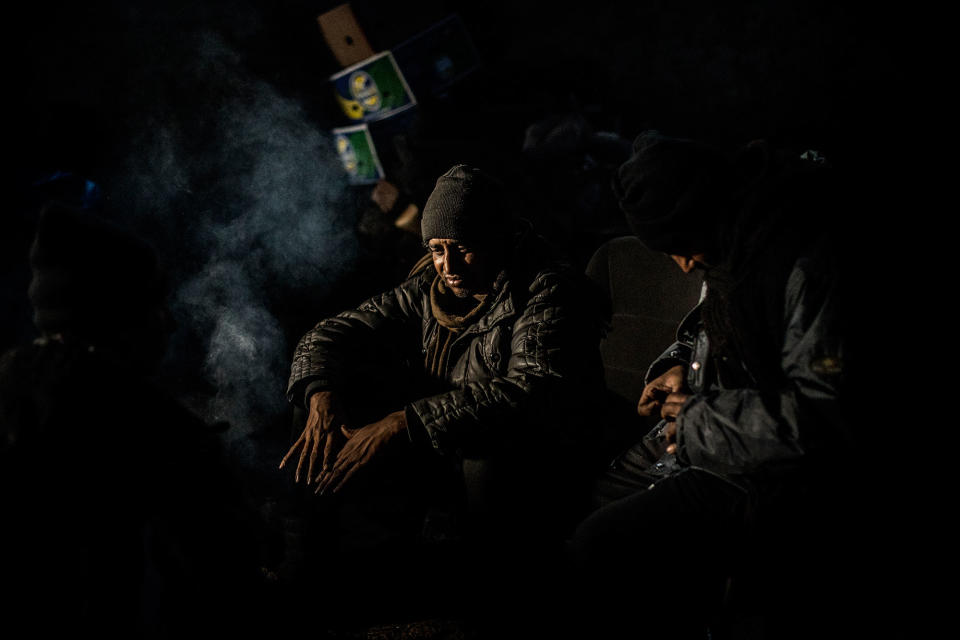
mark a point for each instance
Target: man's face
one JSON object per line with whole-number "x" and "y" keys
{"x": 464, "y": 269}
{"x": 690, "y": 262}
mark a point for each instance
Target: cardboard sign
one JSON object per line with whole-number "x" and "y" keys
{"x": 372, "y": 89}
{"x": 343, "y": 35}
{"x": 358, "y": 154}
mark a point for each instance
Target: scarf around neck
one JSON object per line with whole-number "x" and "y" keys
{"x": 453, "y": 315}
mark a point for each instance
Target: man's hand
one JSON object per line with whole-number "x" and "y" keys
{"x": 321, "y": 436}
{"x": 671, "y": 409}
{"x": 658, "y": 389}
{"x": 363, "y": 447}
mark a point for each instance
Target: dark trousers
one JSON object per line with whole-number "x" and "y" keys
{"x": 658, "y": 559}
{"x": 688, "y": 552}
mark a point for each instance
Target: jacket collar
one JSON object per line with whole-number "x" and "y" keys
{"x": 503, "y": 307}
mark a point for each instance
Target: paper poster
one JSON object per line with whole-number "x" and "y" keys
{"x": 372, "y": 89}
{"x": 358, "y": 154}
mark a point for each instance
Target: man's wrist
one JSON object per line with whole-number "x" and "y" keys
{"x": 415, "y": 430}
{"x": 314, "y": 388}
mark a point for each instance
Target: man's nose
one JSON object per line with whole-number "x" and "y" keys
{"x": 450, "y": 261}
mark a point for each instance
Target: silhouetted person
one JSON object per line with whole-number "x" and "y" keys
{"x": 120, "y": 519}
{"x": 755, "y": 441}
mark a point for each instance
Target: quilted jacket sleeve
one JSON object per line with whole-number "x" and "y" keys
{"x": 323, "y": 353}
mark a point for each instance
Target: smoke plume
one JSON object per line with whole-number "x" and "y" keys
{"x": 245, "y": 198}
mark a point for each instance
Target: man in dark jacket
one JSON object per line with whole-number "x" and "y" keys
{"x": 485, "y": 366}
{"x": 750, "y": 396}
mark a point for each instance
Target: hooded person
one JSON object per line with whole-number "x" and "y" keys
{"x": 117, "y": 510}
{"x": 483, "y": 366}
{"x": 750, "y": 397}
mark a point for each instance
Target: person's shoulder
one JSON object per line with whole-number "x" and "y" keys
{"x": 558, "y": 283}
{"x": 543, "y": 276}
{"x": 414, "y": 290}
{"x": 417, "y": 285}
{"x": 557, "y": 275}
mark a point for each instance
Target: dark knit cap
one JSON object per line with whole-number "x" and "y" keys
{"x": 89, "y": 276}
{"x": 675, "y": 193}
{"x": 466, "y": 205}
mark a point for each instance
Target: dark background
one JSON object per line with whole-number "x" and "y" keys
{"x": 203, "y": 125}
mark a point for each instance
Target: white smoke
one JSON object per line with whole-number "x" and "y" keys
{"x": 246, "y": 198}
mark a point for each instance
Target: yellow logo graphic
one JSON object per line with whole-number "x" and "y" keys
{"x": 350, "y": 107}
{"x": 347, "y": 155}
{"x": 364, "y": 90}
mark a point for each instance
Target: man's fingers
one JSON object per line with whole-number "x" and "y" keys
{"x": 349, "y": 474}
{"x": 345, "y": 463}
{"x": 327, "y": 457}
{"x": 322, "y": 481}
{"x": 328, "y": 453}
{"x": 292, "y": 449}
{"x": 673, "y": 404}
{"x": 670, "y": 410}
{"x": 670, "y": 431}
{"x": 656, "y": 388}
{"x": 332, "y": 474}
{"x": 652, "y": 396}
{"x": 314, "y": 450}
{"x": 354, "y": 455}
{"x": 650, "y": 403}
{"x": 328, "y": 479}
{"x": 646, "y": 408}
{"x": 303, "y": 456}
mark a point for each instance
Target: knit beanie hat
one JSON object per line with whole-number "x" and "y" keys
{"x": 675, "y": 193}
{"x": 466, "y": 205}
{"x": 89, "y": 276}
